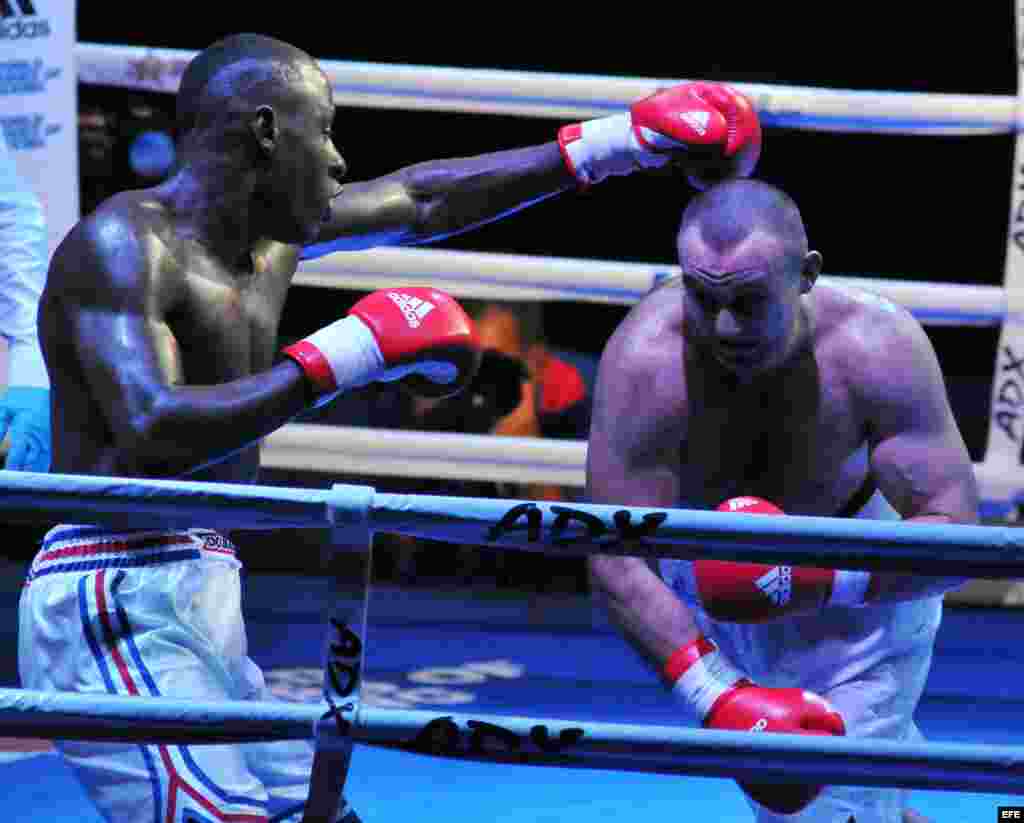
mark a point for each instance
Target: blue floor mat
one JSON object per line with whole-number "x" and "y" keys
{"x": 540, "y": 656}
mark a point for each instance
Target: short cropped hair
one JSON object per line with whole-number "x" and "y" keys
{"x": 729, "y": 212}
{"x": 207, "y": 84}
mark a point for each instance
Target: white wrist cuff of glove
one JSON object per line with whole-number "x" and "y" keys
{"x": 338, "y": 357}
{"x": 606, "y": 146}
{"x": 705, "y": 680}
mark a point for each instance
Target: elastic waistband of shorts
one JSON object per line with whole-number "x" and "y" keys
{"x": 76, "y": 549}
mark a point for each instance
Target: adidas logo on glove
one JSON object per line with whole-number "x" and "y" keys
{"x": 739, "y": 503}
{"x": 777, "y": 584}
{"x": 413, "y": 308}
{"x": 696, "y": 120}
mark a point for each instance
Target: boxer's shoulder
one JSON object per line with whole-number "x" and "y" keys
{"x": 855, "y": 322}
{"x": 119, "y": 229}
{"x": 863, "y": 335}
{"x": 653, "y": 328}
{"x": 845, "y": 305}
{"x": 641, "y": 372}
{"x": 656, "y": 317}
{"x": 130, "y": 242}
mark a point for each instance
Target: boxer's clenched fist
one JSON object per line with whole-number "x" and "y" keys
{"x": 420, "y": 336}
{"x": 711, "y": 129}
{"x": 723, "y": 698}
{"x": 758, "y": 592}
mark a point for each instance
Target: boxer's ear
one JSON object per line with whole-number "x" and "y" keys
{"x": 264, "y": 129}
{"x": 810, "y": 271}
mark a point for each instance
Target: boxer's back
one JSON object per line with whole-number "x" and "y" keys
{"x": 131, "y": 267}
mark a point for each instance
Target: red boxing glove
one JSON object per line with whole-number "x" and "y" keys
{"x": 726, "y": 700}
{"x": 713, "y": 128}
{"x": 757, "y": 592}
{"x": 420, "y": 336}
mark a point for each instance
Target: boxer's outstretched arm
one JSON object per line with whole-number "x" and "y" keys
{"x": 632, "y": 459}
{"x": 430, "y": 201}
{"x": 108, "y": 304}
{"x": 917, "y": 452}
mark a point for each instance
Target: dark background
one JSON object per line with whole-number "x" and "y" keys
{"x": 928, "y": 208}
{"x": 922, "y": 208}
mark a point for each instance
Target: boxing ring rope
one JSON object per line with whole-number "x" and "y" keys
{"x": 356, "y": 512}
{"x": 525, "y": 740}
{"x": 568, "y": 96}
{"x": 525, "y": 277}
{"x": 520, "y": 277}
{"x": 377, "y": 452}
{"x": 395, "y": 453}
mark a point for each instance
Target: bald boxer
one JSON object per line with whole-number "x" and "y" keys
{"x": 158, "y": 325}
{"x": 767, "y": 393}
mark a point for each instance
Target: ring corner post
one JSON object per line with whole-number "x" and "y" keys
{"x": 348, "y": 562}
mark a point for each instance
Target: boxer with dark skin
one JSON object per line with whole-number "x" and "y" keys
{"x": 823, "y": 400}
{"x": 159, "y": 324}
{"x": 161, "y": 310}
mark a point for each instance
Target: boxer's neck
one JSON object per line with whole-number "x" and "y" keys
{"x": 216, "y": 211}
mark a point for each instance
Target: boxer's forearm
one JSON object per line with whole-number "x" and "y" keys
{"x": 457, "y": 195}
{"x": 650, "y": 616}
{"x": 190, "y": 427}
{"x": 894, "y": 588}
{"x": 886, "y": 587}
{"x": 429, "y": 201}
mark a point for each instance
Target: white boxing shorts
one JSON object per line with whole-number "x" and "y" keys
{"x": 155, "y": 613}
{"x": 870, "y": 662}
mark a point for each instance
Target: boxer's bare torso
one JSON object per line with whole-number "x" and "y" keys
{"x": 160, "y": 315}
{"x": 209, "y": 322}
{"x": 748, "y": 376}
{"x": 797, "y": 435}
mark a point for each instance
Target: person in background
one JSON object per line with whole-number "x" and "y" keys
{"x": 524, "y": 388}
{"x": 554, "y": 401}
{"x": 25, "y": 396}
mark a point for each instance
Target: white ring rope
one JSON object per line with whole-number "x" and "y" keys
{"x": 520, "y": 277}
{"x": 571, "y": 96}
{"x": 357, "y": 512}
{"x": 365, "y": 452}
{"x": 526, "y": 277}
{"x": 525, "y": 740}
{"x": 441, "y": 455}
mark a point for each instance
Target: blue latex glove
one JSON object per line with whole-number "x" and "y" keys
{"x": 25, "y": 416}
